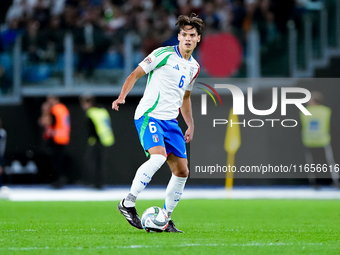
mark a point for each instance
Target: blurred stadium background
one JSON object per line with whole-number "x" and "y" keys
{"x": 43, "y": 51}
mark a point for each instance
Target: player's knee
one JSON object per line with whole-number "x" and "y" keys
{"x": 181, "y": 172}
{"x": 186, "y": 173}
{"x": 157, "y": 159}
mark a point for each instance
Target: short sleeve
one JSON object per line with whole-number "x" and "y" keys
{"x": 152, "y": 60}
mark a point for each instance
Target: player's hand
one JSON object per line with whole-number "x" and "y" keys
{"x": 189, "y": 134}
{"x": 116, "y": 103}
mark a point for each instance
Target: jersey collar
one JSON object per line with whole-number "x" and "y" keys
{"x": 179, "y": 54}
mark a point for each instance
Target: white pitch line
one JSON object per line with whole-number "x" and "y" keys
{"x": 116, "y": 194}
{"x": 168, "y": 245}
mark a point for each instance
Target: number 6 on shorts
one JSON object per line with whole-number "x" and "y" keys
{"x": 152, "y": 127}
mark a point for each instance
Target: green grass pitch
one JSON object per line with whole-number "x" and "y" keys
{"x": 210, "y": 226}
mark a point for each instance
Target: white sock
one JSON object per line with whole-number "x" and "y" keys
{"x": 143, "y": 177}
{"x": 174, "y": 193}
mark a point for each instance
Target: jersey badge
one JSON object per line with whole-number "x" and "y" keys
{"x": 176, "y": 67}
{"x": 147, "y": 60}
{"x": 155, "y": 138}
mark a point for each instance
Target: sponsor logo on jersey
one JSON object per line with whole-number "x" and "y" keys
{"x": 176, "y": 67}
{"x": 155, "y": 138}
{"x": 147, "y": 60}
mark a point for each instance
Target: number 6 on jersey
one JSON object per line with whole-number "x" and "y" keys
{"x": 181, "y": 82}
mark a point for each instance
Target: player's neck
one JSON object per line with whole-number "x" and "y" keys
{"x": 185, "y": 55}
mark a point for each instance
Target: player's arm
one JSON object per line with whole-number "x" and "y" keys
{"x": 187, "y": 116}
{"x": 127, "y": 86}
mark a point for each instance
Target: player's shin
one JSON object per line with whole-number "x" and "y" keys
{"x": 143, "y": 177}
{"x": 174, "y": 193}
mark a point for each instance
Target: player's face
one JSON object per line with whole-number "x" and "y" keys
{"x": 188, "y": 38}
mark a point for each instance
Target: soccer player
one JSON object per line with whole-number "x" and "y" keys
{"x": 172, "y": 73}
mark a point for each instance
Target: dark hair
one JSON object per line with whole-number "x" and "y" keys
{"x": 317, "y": 97}
{"x": 194, "y": 21}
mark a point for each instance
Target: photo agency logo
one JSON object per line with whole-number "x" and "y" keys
{"x": 204, "y": 97}
{"x": 238, "y": 99}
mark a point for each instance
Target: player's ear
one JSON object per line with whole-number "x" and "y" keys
{"x": 199, "y": 38}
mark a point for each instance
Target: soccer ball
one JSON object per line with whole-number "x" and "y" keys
{"x": 154, "y": 219}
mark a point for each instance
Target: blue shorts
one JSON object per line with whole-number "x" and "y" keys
{"x": 153, "y": 132}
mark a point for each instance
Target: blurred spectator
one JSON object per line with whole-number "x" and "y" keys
{"x": 238, "y": 15}
{"x": 10, "y": 34}
{"x": 223, "y": 12}
{"x": 164, "y": 23}
{"x": 210, "y": 18}
{"x": 3, "y": 138}
{"x": 316, "y": 137}
{"x": 70, "y": 15}
{"x": 185, "y": 7}
{"x": 55, "y": 36}
{"x": 20, "y": 9}
{"x": 114, "y": 23}
{"x": 41, "y": 12}
{"x": 113, "y": 17}
{"x": 55, "y": 119}
{"x": 150, "y": 40}
{"x": 100, "y": 138}
{"x": 35, "y": 44}
{"x": 100, "y": 26}
{"x": 159, "y": 30}
{"x": 40, "y": 52}
{"x": 82, "y": 6}
{"x": 91, "y": 43}
{"x": 264, "y": 19}
{"x": 8, "y": 37}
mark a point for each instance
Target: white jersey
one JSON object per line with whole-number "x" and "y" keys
{"x": 170, "y": 75}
